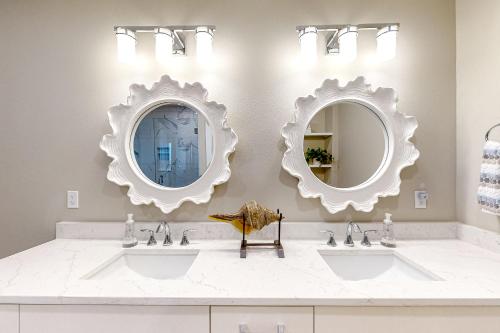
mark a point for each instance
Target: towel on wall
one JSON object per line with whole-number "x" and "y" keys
{"x": 488, "y": 194}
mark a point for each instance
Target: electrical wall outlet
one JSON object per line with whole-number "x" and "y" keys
{"x": 72, "y": 199}
{"x": 421, "y": 199}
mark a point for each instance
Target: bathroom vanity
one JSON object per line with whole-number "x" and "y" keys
{"x": 170, "y": 145}
{"x": 81, "y": 284}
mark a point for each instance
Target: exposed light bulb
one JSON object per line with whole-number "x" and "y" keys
{"x": 204, "y": 38}
{"x": 164, "y": 43}
{"x": 308, "y": 38}
{"x": 348, "y": 39}
{"x": 125, "y": 43}
{"x": 386, "y": 42}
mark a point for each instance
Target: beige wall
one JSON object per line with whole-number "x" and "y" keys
{"x": 478, "y": 105}
{"x": 58, "y": 76}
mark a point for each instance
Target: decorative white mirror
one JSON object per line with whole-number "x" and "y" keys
{"x": 169, "y": 144}
{"x": 347, "y": 145}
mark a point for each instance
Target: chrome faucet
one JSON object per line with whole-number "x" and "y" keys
{"x": 164, "y": 227}
{"x": 351, "y": 227}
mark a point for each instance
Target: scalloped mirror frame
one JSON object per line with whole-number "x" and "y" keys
{"x": 123, "y": 169}
{"x": 400, "y": 152}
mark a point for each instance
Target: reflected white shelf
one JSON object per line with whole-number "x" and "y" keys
{"x": 320, "y": 166}
{"x": 318, "y": 135}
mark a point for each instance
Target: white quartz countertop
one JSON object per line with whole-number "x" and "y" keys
{"x": 52, "y": 273}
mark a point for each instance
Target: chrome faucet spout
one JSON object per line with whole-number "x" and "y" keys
{"x": 351, "y": 227}
{"x": 163, "y": 226}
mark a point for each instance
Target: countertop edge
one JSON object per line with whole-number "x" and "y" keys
{"x": 141, "y": 301}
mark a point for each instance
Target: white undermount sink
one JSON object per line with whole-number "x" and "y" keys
{"x": 133, "y": 264}
{"x": 354, "y": 265}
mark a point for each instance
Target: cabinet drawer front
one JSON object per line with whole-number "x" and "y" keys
{"x": 407, "y": 319}
{"x": 113, "y": 318}
{"x": 9, "y": 318}
{"x": 227, "y": 319}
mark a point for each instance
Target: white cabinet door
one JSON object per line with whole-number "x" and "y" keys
{"x": 407, "y": 319}
{"x": 114, "y": 319}
{"x": 9, "y": 318}
{"x": 229, "y": 319}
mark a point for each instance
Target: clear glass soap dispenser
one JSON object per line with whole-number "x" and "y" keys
{"x": 388, "y": 238}
{"x": 129, "y": 239}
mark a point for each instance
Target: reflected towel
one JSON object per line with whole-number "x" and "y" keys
{"x": 488, "y": 194}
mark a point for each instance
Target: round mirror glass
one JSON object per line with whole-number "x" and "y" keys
{"x": 344, "y": 144}
{"x": 173, "y": 145}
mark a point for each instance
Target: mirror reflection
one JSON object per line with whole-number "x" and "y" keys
{"x": 344, "y": 144}
{"x": 173, "y": 145}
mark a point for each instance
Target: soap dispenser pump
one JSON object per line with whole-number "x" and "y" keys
{"x": 129, "y": 239}
{"x": 388, "y": 239}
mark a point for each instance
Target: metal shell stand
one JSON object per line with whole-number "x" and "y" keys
{"x": 276, "y": 243}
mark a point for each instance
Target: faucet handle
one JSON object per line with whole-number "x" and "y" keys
{"x": 243, "y": 328}
{"x": 151, "y": 240}
{"x": 185, "y": 240}
{"x": 366, "y": 241}
{"x": 331, "y": 240}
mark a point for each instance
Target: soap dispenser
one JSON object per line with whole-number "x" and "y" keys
{"x": 388, "y": 238}
{"x": 129, "y": 239}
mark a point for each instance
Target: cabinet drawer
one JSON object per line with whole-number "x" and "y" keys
{"x": 9, "y": 318}
{"x": 114, "y": 319}
{"x": 227, "y": 319}
{"x": 407, "y": 319}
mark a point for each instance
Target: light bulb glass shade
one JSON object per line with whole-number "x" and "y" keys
{"x": 386, "y": 42}
{"x": 308, "y": 39}
{"x": 204, "y": 38}
{"x": 348, "y": 43}
{"x": 164, "y": 44}
{"x": 125, "y": 43}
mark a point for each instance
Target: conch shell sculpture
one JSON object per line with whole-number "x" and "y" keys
{"x": 255, "y": 216}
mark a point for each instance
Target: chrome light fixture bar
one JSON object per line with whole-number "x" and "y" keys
{"x": 178, "y": 46}
{"x": 338, "y": 34}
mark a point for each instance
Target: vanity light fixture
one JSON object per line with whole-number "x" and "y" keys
{"x": 164, "y": 44}
{"x": 125, "y": 43}
{"x": 342, "y": 38}
{"x": 169, "y": 40}
{"x": 204, "y": 37}
{"x": 308, "y": 38}
{"x": 386, "y": 42}
{"x": 348, "y": 43}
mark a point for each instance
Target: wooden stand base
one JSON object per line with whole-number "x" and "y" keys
{"x": 275, "y": 244}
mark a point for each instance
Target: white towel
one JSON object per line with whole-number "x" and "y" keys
{"x": 488, "y": 194}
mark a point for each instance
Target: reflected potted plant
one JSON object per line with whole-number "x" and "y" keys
{"x": 318, "y": 156}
